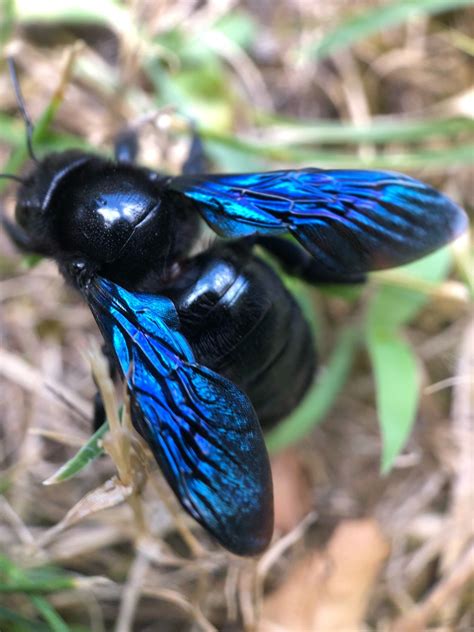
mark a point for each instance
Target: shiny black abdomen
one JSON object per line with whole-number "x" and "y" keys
{"x": 244, "y": 324}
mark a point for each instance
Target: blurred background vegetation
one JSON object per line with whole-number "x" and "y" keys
{"x": 289, "y": 83}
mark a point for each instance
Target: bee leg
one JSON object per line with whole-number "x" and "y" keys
{"x": 99, "y": 416}
{"x": 196, "y": 161}
{"x": 126, "y": 146}
{"x": 299, "y": 263}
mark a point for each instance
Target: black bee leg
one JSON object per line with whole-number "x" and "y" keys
{"x": 126, "y": 146}
{"x": 196, "y": 161}
{"x": 99, "y": 416}
{"x": 299, "y": 263}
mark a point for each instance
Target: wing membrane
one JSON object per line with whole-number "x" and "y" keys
{"x": 350, "y": 221}
{"x": 201, "y": 428}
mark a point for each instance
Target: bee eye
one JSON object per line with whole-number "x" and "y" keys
{"x": 24, "y": 212}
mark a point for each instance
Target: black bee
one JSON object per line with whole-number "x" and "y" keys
{"x": 212, "y": 344}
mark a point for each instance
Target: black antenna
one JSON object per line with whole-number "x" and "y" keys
{"x": 12, "y": 177}
{"x": 21, "y": 105}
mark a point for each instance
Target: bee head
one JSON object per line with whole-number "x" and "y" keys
{"x": 79, "y": 204}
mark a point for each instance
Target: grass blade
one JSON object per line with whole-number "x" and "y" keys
{"x": 461, "y": 154}
{"x": 50, "y": 615}
{"x": 393, "y": 361}
{"x": 43, "y": 579}
{"x": 395, "y": 305}
{"x": 85, "y": 455}
{"x": 43, "y": 124}
{"x": 21, "y": 623}
{"x": 360, "y": 26}
{"x": 397, "y": 390}
{"x": 381, "y": 130}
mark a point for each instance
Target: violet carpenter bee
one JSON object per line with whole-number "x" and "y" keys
{"x": 212, "y": 346}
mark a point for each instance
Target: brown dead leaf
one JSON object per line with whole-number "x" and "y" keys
{"x": 292, "y": 490}
{"x": 110, "y": 494}
{"x": 329, "y": 590}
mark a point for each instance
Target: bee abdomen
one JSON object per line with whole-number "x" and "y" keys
{"x": 244, "y": 324}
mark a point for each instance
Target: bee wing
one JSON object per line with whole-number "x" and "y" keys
{"x": 350, "y": 221}
{"x": 200, "y": 427}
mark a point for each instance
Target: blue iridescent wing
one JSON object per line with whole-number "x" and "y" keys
{"x": 350, "y": 221}
{"x": 200, "y": 427}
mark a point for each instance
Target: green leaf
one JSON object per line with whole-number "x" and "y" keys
{"x": 395, "y": 305}
{"x": 371, "y": 21}
{"x": 397, "y": 383}
{"x": 393, "y": 362}
{"x": 85, "y": 455}
{"x": 320, "y": 398}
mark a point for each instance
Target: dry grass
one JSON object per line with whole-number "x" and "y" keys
{"x": 136, "y": 561}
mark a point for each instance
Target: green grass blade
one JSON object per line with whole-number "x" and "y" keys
{"x": 43, "y": 579}
{"x": 394, "y": 305}
{"x": 393, "y": 362}
{"x": 37, "y": 586}
{"x": 397, "y": 390}
{"x": 7, "y": 20}
{"x": 42, "y": 125}
{"x": 11, "y": 131}
{"x": 83, "y": 457}
{"x": 461, "y": 154}
{"x": 380, "y": 130}
{"x": 21, "y": 624}
{"x": 49, "y": 614}
{"x": 321, "y": 397}
{"x": 363, "y": 25}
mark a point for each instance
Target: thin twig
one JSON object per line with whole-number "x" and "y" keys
{"x": 131, "y": 592}
{"x": 419, "y": 617}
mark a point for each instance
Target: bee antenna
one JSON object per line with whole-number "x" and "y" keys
{"x": 21, "y": 105}
{"x": 12, "y": 177}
